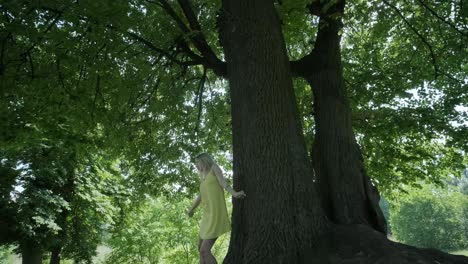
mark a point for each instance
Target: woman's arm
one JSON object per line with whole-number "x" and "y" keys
{"x": 195, "y": 204}
{"x": 223, "y": 182}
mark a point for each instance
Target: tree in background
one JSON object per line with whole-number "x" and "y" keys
{"x": 431, "y": 218}
{"x": 159, "y": 232}
{"x": 57, "y": 210}
{"x": 460, "y": 182}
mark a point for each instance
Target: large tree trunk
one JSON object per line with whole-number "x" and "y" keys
{"x": 282, "y": 219}
{"x": 31, "y": 252}
{"x": 347, "y": 194}
{"x": 281, "y": 214}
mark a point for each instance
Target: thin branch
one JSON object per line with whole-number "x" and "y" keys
{"x": 465, "y": 34}
{"x": 152, "y": 93}
{"x": 97, "y": 92}
{"x": 56, "y": 19}
{"x": 198, "y": 60}
{"x": 200, "y": 99}
{"x": 60, "y": 75}
{"x": 81, "y": 76}
{"x": 451, "y": 77}
{"x": 2, "y": 53}
{"x": 172, "y": 13}
{"x": 31, "y": 64}
{"x": 421, "y": 37}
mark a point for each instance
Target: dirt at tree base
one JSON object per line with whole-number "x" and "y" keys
{"x": 359, "y": 244}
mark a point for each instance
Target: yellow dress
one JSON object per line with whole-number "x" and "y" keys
{"x": 215, "y": 221}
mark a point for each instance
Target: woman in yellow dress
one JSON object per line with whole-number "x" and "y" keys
{"x": 215, "y": 221}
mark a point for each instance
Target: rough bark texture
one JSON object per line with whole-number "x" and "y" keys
{"x": 281, "y": 213}
{"x": 347, "y": 194}
{"x": 361, "y": 244}
{"x": 282, "y": 220}
{"x": 55, "y": 256}
{"x": 31, "y": 253}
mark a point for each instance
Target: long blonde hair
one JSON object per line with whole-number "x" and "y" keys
{"x": 206, "y": 160}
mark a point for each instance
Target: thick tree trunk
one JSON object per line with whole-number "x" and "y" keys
{"x": 282, "y": 218}
{"x": 361, "y": 244}
{"x": 31, "y": 253}
{"x": 281, "y": 214}
{"x": 347, "y": 194}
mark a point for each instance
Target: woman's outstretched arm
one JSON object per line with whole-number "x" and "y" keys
{"x": 195, "y": 204}
{"x": 223, "y": 182}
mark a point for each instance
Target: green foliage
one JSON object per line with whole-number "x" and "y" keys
{"x": 86, "y": 68}
{"x": 406, "y": 100}
{"x": 432, "y": 218}
{"x": 461, "y": 183}
{"x": 385, "y": 207}
{"x": 93, "y": 118}
{"x": 5, "y": 255}
{"x": 160, "y": 231}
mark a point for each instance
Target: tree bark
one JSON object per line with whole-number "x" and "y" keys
{"x": 347, "y": 194}
{"x": 281, "y": 214}
{"x": 55, "y": 255}
{"x": 283, "y": 219}
{"x": 31, "y": 252}
{"x": 361, "y": 244}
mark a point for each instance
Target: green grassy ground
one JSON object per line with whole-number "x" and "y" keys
{"x": 103, "y": 251}
{"x": 460, "y": 252}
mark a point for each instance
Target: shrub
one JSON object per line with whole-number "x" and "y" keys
{"x": 432, "y": 218}
{"x": 160, "y": 232}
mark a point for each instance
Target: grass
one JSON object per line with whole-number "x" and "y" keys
{"x": 102, "y": 251}
{"x": 460, "y": 252}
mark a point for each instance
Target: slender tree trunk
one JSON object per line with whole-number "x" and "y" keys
{"x": 31, "y": 253}
{"x": 347, "y": 194}
{"x": 67, "y": 192}
{"x": 281, "y": 215}
{"x": 55, "y": 255}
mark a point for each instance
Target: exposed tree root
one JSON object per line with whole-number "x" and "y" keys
{"x": 355, "y": 244}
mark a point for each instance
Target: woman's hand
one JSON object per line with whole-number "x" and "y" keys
{"x": 239, "y": 195}
{"x": 190, "y": 213}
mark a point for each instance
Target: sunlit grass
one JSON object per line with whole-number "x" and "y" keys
{"x": 460, "y": 252}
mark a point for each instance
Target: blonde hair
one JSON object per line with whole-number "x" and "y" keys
{"x": 206, "y": 160}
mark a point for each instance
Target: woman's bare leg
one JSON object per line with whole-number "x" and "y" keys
{"x": 200, "y": 241}
{"x": 205, "y": 251}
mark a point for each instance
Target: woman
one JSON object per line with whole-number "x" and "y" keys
{"x": 215, "y": 221}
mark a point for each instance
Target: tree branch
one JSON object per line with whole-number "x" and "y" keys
{"x": 56, "y": 19}
{"x": 195, "y": 35}
{"x": 303, "y": 66}
{"x": 328, "y": 28}
{"x": 197, "y": 59}
{"x": 465, "y": 34}
{"x": 314, "y": 8}
{"x": 199, "y": 38}
{"x": 199, "y": 99}
{"x": 97, "y": 92}
{"x": 31, "y": 64}
{"x": 421, "y": 37}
